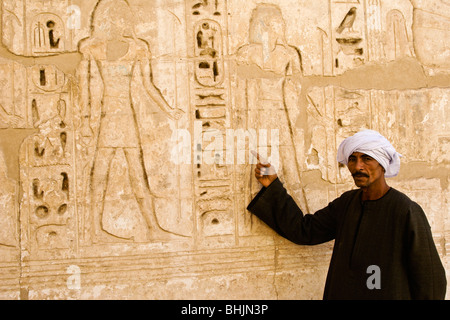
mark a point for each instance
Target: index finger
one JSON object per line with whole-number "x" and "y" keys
{"x": 256, "y": 154}
{"x": 260, "y": 159}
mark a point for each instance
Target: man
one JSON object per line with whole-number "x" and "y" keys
{"x": 383, "y": 244}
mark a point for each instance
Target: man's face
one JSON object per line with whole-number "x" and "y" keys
{"x": 365, "y": 170}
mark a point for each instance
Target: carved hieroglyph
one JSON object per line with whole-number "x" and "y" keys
{"x": 139, "y": 117}
{"x": 44, "y": 28}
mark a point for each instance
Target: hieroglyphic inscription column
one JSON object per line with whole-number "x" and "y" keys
{"x": 206, "y": 25}
{"x": 48, "y": 214}
{"x": 349, "y": 47}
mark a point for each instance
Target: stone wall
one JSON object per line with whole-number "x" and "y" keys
{"x": 125, "y": 131}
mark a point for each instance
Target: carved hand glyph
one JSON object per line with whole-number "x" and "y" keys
{"x": 176, "y": 114}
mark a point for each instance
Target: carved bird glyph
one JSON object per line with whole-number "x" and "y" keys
{"x": 348, "y": 21}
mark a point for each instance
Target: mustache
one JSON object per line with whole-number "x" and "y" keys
{"x": 360, "y": 174}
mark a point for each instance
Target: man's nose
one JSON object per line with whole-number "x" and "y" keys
{"x": 359, "y": 164}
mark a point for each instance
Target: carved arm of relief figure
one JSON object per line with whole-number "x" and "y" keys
{"x": 85, "y": 103}
{"x": 155, "y": 94}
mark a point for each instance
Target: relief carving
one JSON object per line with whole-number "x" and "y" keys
{"x": 432, "y": 24}
{"x": 101, "y": 187}
{"x": 398, "y": 44}
{"x": 347, "y": 22}
{"x": 210, "y": 7}
{"x": 118, "y": 56}
{"x": 208, "y": 50}
{"x": 13, "y": 106}
{"x": 48, "y": 34}
{"x": 48, "y": 217}
{"x": 362, "y": 32}
{"x": 271, "y": 100}
{"x": 213, "y": 179}
{"x": 8, "y": 208}
{"x": 36, "y": 28}
{"x": 335, "y": 113}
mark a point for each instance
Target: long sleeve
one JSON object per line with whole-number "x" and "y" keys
{"x": 278, "y": 210}
{"x": 425, "y": 270}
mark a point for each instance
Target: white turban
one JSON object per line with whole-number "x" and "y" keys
{"x": 373, "y": 144}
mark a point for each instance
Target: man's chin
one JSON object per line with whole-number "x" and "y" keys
{"x": 360, "y": 182}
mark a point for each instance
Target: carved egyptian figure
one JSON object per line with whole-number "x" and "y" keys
{"x": 117, "y": 53}
{"x": 272, "y": 98}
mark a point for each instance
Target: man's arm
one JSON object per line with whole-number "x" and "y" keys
{"x": 278, "y": 210}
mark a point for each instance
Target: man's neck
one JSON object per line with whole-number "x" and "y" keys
{"x": 374, "y": 193}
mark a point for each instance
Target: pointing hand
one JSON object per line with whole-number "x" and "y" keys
{"x": 264, "y": 172}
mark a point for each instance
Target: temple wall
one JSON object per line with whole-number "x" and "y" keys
{"x": 126, "y": 129}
